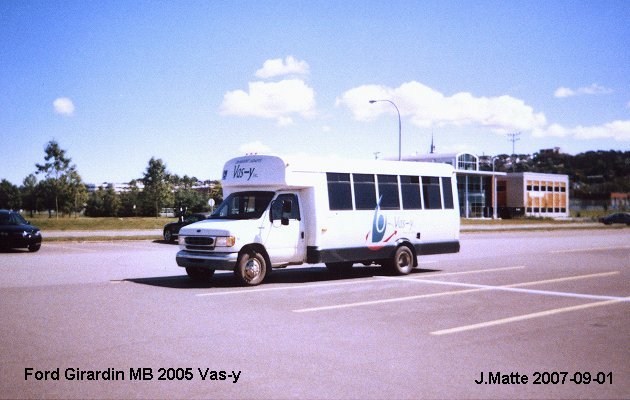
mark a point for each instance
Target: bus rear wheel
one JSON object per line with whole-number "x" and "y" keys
{"x": 401, "y": 262}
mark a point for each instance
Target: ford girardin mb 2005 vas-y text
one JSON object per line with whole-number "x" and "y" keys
{"x": 279, "y": 212}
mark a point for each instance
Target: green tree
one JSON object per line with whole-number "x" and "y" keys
{"x": 130, "y": 200}
{"x": 111, "y": 203}
{"x": 75, "y": 193}
{"x": 94, "y": 206}
{"x": 158, "y": 189}
{"x": 64, "y": 183}
{"x": 216, "y": 192}
{"x": 29, "y": 193}
{"x": 188, "y": 199}
{"x": 9, "y": 196}
{"x": 45, "y": 192}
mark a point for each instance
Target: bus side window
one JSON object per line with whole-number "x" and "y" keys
{"x": 410, "y": 188}
{"x": 364, "y": 191}
{"x": 388, "y": 192}
{"x": 431, "y": 192}
{"x": 447, "y": 192}
{"x": 339, "y": 191}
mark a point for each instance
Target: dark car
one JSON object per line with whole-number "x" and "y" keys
{"x": 16, "y": 232}
{"x": 171, "y": 230}
{"x": 616, "y": 218}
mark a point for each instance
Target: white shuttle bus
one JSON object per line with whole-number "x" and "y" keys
{"x": 279, "y": 212}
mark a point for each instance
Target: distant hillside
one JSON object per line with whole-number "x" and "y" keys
{"x": 593, "y": 174}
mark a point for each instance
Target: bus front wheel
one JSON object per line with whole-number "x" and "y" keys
{"x": 251, "y": 268}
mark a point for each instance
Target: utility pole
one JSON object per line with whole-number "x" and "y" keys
{"x": 514, "y": 137}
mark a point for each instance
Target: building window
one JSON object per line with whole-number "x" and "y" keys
{"x": 467, "y": 162}
{"x": 364, "y": 191}
{"x": 388, "y": 192}
{"x": 410, "y": 188}
{"x": 339, "y": 191}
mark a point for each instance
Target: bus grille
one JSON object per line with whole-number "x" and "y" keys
{"x": 199, "y": 243}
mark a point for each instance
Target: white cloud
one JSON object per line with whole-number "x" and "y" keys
{"x": 617, "y": 130}
{"x": 279, "y": 67}
{"x": 272, "y": 100}
{"x": 63, "y": 106}
{"x": 562, "y": 92}
{"x": 255, "y": 147}
{"x": 427, "y": 107}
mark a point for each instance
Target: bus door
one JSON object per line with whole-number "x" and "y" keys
{"x": 285, "y": 241}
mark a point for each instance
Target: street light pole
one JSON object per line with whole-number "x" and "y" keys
{"x": 399, "y": 127}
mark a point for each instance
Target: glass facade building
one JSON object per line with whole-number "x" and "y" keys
{"x": 486, "y": 194}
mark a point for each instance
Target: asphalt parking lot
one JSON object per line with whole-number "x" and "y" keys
{"x": 549, "y": 306}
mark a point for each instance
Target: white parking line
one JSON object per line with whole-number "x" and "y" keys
{"x": 514, "y": 287}
{"x": 477, "y": 271}
{"x": 589, "y": 249}
{"x": 382, "y": 301}
{"x": 312, "y": 285}
{"x": 528, "y": 316}
{"x": 474, "y": 288}
{"x": 352, "y": 282}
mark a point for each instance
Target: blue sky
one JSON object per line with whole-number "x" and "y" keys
{"x": 196, "y": 83}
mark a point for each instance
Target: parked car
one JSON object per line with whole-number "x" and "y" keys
{"x": 16, "y": 232}
{"x": 171, "y": 230}
{"x": 616, "y": 218}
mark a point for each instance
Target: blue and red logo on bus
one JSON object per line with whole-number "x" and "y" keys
{"x": 377, "y": 237}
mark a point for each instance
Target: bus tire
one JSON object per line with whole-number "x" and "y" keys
{"x": 251, "y": 268}
{"x": 199, "y": 275}
{"x": 339, "y": 268}
{"x": 401, "y": 262}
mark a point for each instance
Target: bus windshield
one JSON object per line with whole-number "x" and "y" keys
{"x": 243, "y": 205}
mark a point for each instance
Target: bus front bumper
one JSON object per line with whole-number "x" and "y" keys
{"x": 221, "y": 261}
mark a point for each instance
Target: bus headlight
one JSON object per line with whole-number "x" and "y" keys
{"x": 225, "y": 241}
